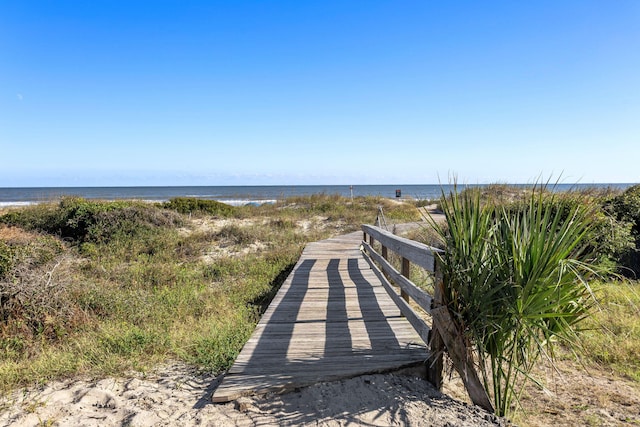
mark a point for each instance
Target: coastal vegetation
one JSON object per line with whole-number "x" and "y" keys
{"x": 515, "y": 278}
{"x": 518, "y": 270}
{"x": 97, "y": 288}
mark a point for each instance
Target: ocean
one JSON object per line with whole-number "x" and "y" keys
{"x": 238, "y": 195}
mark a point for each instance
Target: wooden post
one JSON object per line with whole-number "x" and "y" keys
{"x": 446, "y": 328}
{"x": 406, "y": 272}
{"x": 436, "y": 344}
{"x": 385, "y": 254}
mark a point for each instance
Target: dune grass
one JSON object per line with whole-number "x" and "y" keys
{"x": 611, "y": 335}
{"x": 98, "y": 288}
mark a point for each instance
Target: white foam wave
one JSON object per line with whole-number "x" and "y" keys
{"x": 16, "y": 204}
{"x": 243, "y": 202}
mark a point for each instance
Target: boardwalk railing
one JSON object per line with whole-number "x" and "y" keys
{"x": 423, "y": 256}
{"x": 331, "y": 319}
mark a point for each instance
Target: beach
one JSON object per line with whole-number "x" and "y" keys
{"x": 175, "y": 394}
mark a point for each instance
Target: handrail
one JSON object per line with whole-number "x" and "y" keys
{"x": 416, "y": 252}
{"x": 422, "y": 298}
{"x": 443, "y": 330}
{"x": 419, "y": 254}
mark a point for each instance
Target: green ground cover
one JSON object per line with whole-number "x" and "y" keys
{"x": 97, "y": 288}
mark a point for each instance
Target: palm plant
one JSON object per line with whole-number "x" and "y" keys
{"x": 514, "y": 281}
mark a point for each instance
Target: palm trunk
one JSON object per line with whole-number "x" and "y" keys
{"x": 460, "y": 355}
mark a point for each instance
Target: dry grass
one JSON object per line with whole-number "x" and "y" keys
{"x": 573, "y": 395}
{"x": 589, "y": 395}
{"x": 92, "y": 287}
{"x": 15, "y": 235}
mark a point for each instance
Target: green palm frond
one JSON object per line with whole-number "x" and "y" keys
{"x": 516, "y": 279}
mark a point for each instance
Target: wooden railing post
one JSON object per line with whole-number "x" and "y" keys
{"x": 406, "y": 272}
{"x": 439, "y": 333}
{"x": 436, "y": 344}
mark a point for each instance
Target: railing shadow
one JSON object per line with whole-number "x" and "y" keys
{"x": 337, "y": 333}
{"x": 337, "y": 357}
{"x": 371, "y": 400}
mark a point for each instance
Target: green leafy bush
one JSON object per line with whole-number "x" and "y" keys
{"x": 608, "y": 239}
{"x": 84, "y": 220}
{"x": 192, "y": 205}
{"x": 41, "y": 217}
{"x": 6, "y": 259}
{"x": 625, "y": 209}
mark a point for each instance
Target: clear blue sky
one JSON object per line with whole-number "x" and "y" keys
{"x": 107, "y": 92}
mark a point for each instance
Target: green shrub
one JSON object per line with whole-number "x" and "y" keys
{"x": 611, "y": 237}
{"x": 84, "y": 220}
{"x": 192, "y": 205}
{"x": 236, "y": 235}
{"x": 41, "y": 217}
{"x": 625, "y": 208}
{"x": 6, "y": 259}
{"x": 608, "y": 239}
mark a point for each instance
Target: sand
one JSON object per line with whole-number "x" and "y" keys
{"x": 177, "y": 395}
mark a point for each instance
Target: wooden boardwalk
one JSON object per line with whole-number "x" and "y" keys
{"x": 330, "y": 320}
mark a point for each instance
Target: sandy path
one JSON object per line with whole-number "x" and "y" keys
{"x": 176, "y": 395}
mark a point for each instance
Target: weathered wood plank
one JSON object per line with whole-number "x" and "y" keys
{"x": 416, "y": 321}
{"x": 423, "y": 256}
{"x": 419, "y": 296}
{"x": 416, "y": 252}
{"x": 331, "y": 319}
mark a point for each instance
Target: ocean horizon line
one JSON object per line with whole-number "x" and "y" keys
{"x": 245, "y": 194}
{"x": 551, "y": 183}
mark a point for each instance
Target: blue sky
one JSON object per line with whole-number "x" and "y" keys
{"x": 318, "y": 92}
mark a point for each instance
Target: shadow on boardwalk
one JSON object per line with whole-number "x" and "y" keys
{"x": 331, "y": 319}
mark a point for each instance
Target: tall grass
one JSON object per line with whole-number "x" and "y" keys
{"x": 515, "y": 281}
{"x": 611, "y": 336}
{"x": 101, "y": 287}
